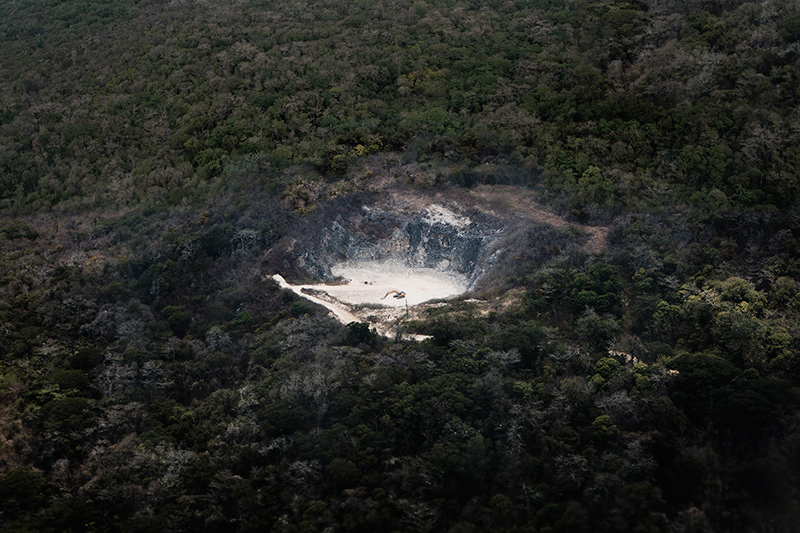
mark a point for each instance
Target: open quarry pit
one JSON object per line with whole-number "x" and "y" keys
{"x": 387, "y": 260}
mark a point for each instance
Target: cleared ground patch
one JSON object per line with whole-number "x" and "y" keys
{"x": 371, "y": 282}
{"x": 385, "y": 259}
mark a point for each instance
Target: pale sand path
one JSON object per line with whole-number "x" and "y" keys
{"x": 393, "y": 311}
{"x": 343, "y": 315}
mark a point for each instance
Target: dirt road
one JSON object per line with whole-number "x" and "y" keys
{"x": 506, "y": 199}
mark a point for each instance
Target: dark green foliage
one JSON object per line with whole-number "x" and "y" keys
{"x": 359, "y": 333}
{"x": 790, "y": 27}
{"x": 701, "y": 378}
{"x": 711, "y": 391}
{"x": 243, "y": 321}
{"x": 302, "y": 307}
{"x": 67, "y": 414}
{"x": 341, "y": 474}
{"x": 86, "y": 358}
{"x": 16, "y": 229}
{"x": 178, "y": 319}
{"x": 70, "y": 381}
{"x": 613, "y": 102}
{"x": 217, "y": 241}
{"x": 153, "y": 377}
{"x": 598, "y": 289}
{"x": 23, "y": 490}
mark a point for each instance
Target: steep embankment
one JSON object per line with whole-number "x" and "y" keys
{"x": 377, "y": 258}
{"x": 521, "y": 203}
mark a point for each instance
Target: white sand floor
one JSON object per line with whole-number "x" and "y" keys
{"x": 367, "y": 284}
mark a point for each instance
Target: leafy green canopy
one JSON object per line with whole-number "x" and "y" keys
{"x": 126, "y": 102}
{"x": 168, "y": 384}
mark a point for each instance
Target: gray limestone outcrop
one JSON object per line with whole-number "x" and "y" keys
{"x": 432, "y": 236}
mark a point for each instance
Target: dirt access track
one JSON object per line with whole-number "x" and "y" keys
{"x": 508, "y": 199}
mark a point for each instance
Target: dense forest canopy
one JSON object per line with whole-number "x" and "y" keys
{"x": 123, "y": 103}
{"x": 153, "y": 377}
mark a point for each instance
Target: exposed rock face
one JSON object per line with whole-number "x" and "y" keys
{"x": 432, "y": 236}
{"x": 463, "y": 234}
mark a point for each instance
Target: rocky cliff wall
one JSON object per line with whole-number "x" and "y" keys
{"x": 432, "y": 236}
{"x": 463, "y": 233}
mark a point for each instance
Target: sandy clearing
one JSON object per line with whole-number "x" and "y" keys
{"x": 364, "y": 297}
{"x": 339, "y": 312}
{"x": 369, "y": 283}
{"x": 365, "y": 294}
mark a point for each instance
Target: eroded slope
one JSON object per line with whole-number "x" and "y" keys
{"x": 403, "y": 248}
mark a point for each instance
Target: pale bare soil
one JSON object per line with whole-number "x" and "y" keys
{"x": 367, "y": 291}
{"x": 503, "y": 201}
{"x": 507, "y": 199}
{"x": 390, "y": 173}
{"x": 370, "y": 289}
{"x": 389, "y": 317}
{"x": 373, "y": 283}
{"x": 385, "y": 316}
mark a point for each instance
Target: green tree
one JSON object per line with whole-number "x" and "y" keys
{"x": 594, "y": 188}
{"x": 23, "y": 490}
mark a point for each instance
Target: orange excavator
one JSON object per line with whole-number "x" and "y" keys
{"x": 397, "y": 294}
